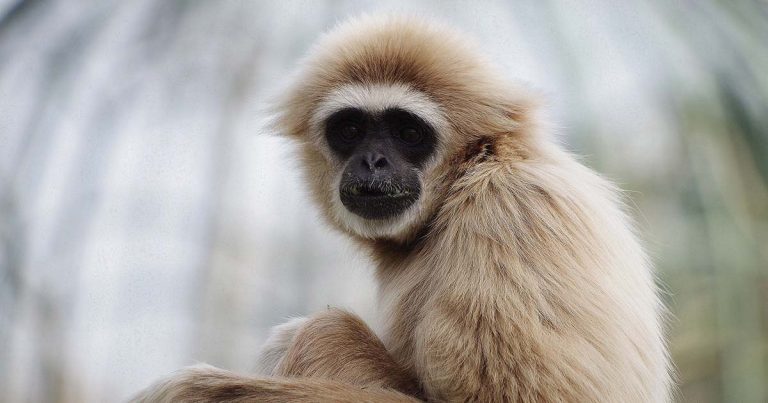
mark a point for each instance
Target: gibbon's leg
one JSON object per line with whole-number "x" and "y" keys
{"x": 330, "y": 356}
{"x": 204, "y": 383}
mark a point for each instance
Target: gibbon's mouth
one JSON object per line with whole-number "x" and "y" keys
{"x": 376, "y": 201}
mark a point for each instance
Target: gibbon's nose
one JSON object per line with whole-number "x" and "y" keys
{"x": 374, "y": 161}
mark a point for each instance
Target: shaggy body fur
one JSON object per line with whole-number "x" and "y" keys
{"x": 516, "y": 277}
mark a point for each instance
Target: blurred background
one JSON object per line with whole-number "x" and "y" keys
{"x": 148, "y": 220}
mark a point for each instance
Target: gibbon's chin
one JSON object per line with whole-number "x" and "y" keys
{"x": 376, "y": 203}
{"x": 390, "y": 227}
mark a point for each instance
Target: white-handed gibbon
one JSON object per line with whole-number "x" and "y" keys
{"x": 507, "y": 271}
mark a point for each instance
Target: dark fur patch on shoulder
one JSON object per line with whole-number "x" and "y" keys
{"x": 480, "y": 150}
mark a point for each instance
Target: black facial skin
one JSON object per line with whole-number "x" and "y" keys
{"x": 383, "y": 154}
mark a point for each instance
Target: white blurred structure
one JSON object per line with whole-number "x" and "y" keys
{"x": 147, "y": 219}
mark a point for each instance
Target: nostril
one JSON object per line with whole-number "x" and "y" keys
{"x": 381, "y": 163}
{"x": 372, "y": 162}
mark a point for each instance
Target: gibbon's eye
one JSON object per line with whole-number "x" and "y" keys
{"x": 410, "y": 135}
{"x": 349, "y": 132}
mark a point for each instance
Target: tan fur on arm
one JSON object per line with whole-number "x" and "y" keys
{"x": 276, "y": 345}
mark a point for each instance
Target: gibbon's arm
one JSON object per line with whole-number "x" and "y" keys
{"x": 338, "y": 345}
{"x": 331, "y": 356}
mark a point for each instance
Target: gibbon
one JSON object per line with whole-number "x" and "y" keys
{"x": 507, "y": 271}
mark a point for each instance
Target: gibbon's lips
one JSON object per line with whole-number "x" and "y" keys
{"x": 377, "y": 201}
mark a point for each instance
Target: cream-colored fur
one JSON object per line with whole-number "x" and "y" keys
{"x": 276, "y": 345}
{"x": 516, "y": 276}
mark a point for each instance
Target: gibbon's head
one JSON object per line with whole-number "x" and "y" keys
{"x": 388, "y": 110}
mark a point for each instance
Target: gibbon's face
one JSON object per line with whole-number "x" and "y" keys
{"x": 383, "y": 153}
{"x": 381, "y": 141}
